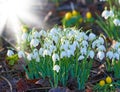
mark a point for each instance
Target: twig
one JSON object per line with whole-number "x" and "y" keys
{"x": 7, "y": 82}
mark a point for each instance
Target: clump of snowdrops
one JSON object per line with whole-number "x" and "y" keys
{"x": 111, "y": 22}
{"x": 60, "y": 54}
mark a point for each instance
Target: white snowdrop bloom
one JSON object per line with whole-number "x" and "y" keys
{"x": 55, "y": 57}
{"x": 94, "y": 44}
{"x": 106, "y": 14}
{"x": 34, "y": 42}
{"x": 55, "y": 38}
{"x": 82, "y": 36}
{"x": 81, "y": 57}
{"x": 101, "y": 48}
{"x": 46, "y": 52}
{"x": 101, "y": 40}
{"x": 109, "y": 54}
{"x": 21, "y": 54}
{"x": 29, "y": 56}
{"x": 116, "y": 56}
{"x": 118, "y": 51}
{"x": 100, "y": 55}
{"x": 84, "y": 43}
{"x": 91, "y": 37}
{"x": 75, "y": 44}
{"x": 56, "y": 68}
{"x": 63, "y": 54}
{"x": 54, "y": 31}
{"x": 52, "y": 48}
{"x": 116, "y": 22}
{"x": 10, "y": 53}
{"x": 42, "y": 33}
{"x": 117, "y": 45}
{"x": 41, "y": 50}
{"x": 91, "y": 54}
{"x": 35, "y": 55}
{"x": 83, "y": 51}
{"x": 111, "y": 13}
{"x": 36, "y": 34}
{"x": 72, "y": 47}
{"x": 70, "y": 53}
{"x": 24, "y": 36}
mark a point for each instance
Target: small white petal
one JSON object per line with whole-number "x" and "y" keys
{"x": 24, "y": 36}
{"x": 100, "y": 55}
{"x": 81, "y": 57}
{"x": 21, "y": 54}
{"x": 56, "y": 68}
{"x": 55, "y": 57}
{"x": 91, "y": 54}
{"x": 91, "y": 37}
{"x": 10, "y": 53}
{"x": 34, "y": 42}
{"x": 29, "y": 57}
{"x": 109, "y": 54}
{"x": 116, "y": 22}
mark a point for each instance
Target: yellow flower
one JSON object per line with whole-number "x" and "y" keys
{"x": 74, "y": 13}
{"x": 88, "y": 15}
{"x": 68, "y": 15}
{"x": 108, "y": 79}
{"x": 102, "y": 83}
{"x": 24, "y": 28}
{"x": 80, "y": 20}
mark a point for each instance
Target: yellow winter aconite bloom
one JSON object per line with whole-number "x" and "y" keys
{"x": 88, "y": 15}
{"x": 102, "y": 83}
{"x": 68, "y": 15}
{"x": 108, "y": 79}
{"x": 74, "y": 13}
{"x": 24, "y": 28}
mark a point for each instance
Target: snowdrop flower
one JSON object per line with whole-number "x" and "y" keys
{"x": 63, "y": 54}
{"x": 24, "y": 36}
{"x": 91, "y": 37}
{"x": 69, "y": 53}
{"x": 56, "y": 68}
{"x": 29, "y": 56}
{"x": 111, "y": 13}
{"x": 35, "y": 54}
{"x": 118, "y": 51}
{"x": 101, "y": 40}
{"x": 100, "y": 55}
{"x": 81, "y": 57}
{"x": 55, "y": 57}
{"x": 106, "y": 13}
{"x": 101, "y": 48}
{"x": 84, "y": 43}
{"x": 75, "y": 44}
{"x": 41, "y": 50}
{"x": 55, "y": 38}
{"x": 91, "y": 54}
{"x": 116, "y": 56}
{"x": 36, "y": 34}
{"x": 21, "y": 54}
{"x": 109, "y": 54}
{"x": 10, "y": 53}
{"x": 116, "y": 22}
{"x": 34, "y": 42}
{"x": 117, "y": 45}
{"x": 42, "y": 33}
{"x": 83, "y": 51}
{"x": 46, "y": 52}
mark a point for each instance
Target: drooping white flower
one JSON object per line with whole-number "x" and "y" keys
{"x": 101, "y": 40}
{"x": 36, "y": 34}
{"x": 35, "y": 54}
{"x": 116, "y": 56}
{"x": 81, "y": 57}
{"x": 42, "y": 33}
{"x": 63, "y": 54}
{"x": 101, "y": 48}
{"x": 109, "y": 54}
{"x": 116, "y": 22}
{"x": 46, "y": 52}
{"x": 41, "y": 50}
{"x": 24, "y": 36}
{"x": 21, "y": 54}
{"x": 29, "y": 56}
{"x": 84, "y": 43}
{"x": 34, "y": 42}
{"x": 106, "y": 14}
{"x": 55, "y": 57}
{"x": 117, "y": 45}
{"x": 10, "y": 53}
{"x": 91, "y": 37}
{"x": 92, "y": 54}
{"x": 83, "y": 51}
{"x": 111, "y": 13}
{"x": 56, "y": 68}
{"x": 100, "y": 55}
{"x": 70, "y": 53}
